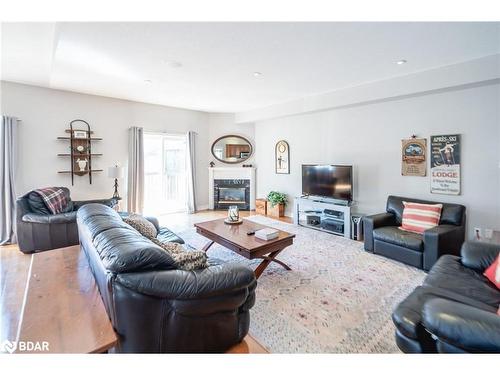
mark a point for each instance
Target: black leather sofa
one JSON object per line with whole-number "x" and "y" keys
{"x": 38, "y": 230}
{"x": 455, "y": 310}
{"x": 155, "y": 308}
{"x": 383, "y": 237}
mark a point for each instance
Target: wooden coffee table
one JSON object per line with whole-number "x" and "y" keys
{"x": 235, "y": 238}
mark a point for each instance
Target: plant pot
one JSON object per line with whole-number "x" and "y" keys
{"x": 276, "y": 211}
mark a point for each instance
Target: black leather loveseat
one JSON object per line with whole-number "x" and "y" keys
{"x": 154, "y": 307}
{"x": 383, "y": 237}
{"x": 39, "y": 230}
{"x": 455, "y": 310}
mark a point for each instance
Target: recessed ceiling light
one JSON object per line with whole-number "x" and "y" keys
{"x": 257, "y": 74}
{"x": 148, "y": 81}
{"x": 173, "y": 64}
{"x": 401, "y": 62}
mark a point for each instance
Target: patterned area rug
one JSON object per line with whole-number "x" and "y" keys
{"x": 337, "y": 298}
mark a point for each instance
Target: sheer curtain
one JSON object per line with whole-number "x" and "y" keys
{"x": 191, "y": 172}
{"x": 135, "y": 195}
{"x": 8, "y": 150}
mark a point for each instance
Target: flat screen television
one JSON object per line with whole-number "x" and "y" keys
{"x": 330, "y": 181}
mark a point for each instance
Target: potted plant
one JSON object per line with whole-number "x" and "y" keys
{"x": 276, "y": 204}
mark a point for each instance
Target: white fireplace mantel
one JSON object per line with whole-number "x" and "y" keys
{"x": 231, "y": 173}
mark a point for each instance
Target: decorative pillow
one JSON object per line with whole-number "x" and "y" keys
{"x": 493, "y": 272}
{"x": 418, "y": 217}
{"x": 142, "y": 225}
{"x": 184, "y": 259}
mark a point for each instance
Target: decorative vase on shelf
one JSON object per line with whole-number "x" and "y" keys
{"x": 82, "y": 164}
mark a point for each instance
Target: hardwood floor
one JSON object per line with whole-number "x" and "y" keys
{"x": 15, "y": 269}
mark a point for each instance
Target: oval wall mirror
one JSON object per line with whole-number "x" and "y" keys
{"x": 232, "y": 149}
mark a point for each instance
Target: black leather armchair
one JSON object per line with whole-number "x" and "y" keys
{"x": 39, "y": 231}
{"x": 382, "y": 235}
{"x": 154, "y": 307}
{"x": 455, "y": 310}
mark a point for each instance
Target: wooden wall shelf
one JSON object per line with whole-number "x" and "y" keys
{"x": 78, "y": 173}
{"x": 83, "y": 139}
{"x": 80, "y": 150}
{"x": 77, "y": 155}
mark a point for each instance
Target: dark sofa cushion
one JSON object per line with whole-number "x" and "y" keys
{"x": 166, "y": 235}
{"x": 399, "y": 237}
{"x": 125, "y": 250}
{"x": 120, "y": 247}
{"x": 450, "y": 274}
{"x": 37, "y": 205}
{"x": 408, "y": 314}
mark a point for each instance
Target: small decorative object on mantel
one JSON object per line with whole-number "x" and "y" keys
{"x": 247, "y": 165}
{"x": 80, "y": 150}
{"x": 445, "y": 164}
{"x": 212, "y": 164}
{"x": 282, "y": 161}
{"x": 276, "y": 204}
{"x": 414, "y": 151}
{"x": 233, "y": 215}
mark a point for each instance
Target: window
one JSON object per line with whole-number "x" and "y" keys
{"x": 165, "y": 180}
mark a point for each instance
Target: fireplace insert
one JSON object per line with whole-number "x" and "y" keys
{"x": 232, "y": 193}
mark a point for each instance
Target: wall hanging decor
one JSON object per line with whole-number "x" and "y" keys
{"x": 414, "y": 151}
{"x": 282, "y": 161}
{"x": 80, "y": 147}
{"x": 445, "y": 164}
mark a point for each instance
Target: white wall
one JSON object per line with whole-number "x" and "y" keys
{"x": 224, "y": 124}
{"x": 46, "y": 113}
{"x": 369, "y": 138}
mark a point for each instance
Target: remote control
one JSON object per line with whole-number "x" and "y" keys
{"x": 249, "y": 233}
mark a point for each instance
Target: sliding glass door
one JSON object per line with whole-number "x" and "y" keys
{"x": 165, "y": 180}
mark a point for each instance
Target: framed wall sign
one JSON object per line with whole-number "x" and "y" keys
{"x": 445, "y": 164}
{"x": 282, "y": 161}
{"x": 413, "y": 162}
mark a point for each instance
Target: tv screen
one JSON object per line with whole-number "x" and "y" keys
{"x": 331, "y": 181}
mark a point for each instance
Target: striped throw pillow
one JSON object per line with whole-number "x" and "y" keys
{"x": 418, "y": 217}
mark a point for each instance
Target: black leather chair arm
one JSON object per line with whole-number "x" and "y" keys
{"x": 462, "y": 326}
{"x": 373, "y": 222}
{"x": 110, "y": 202}
{"x": 442, "y": 239}
{"x": 479, "y": 255}
{"x": 65, "y": 218}
{"x": 178, "y": 284}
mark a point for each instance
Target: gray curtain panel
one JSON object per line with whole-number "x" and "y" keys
{"x": 191, "y": 172}
{"x": 135, "y": 196}
{"x": 8, "y": 151}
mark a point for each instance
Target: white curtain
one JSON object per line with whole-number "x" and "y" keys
{"x": 135, "y": 195}
{"x": 191, "y": 172}
{"x": 8, "y": 150}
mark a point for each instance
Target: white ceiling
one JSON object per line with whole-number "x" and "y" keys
{"x": 218, "y": 59}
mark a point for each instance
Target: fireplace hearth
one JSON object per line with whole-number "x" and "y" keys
{"x": 233, "y": 192}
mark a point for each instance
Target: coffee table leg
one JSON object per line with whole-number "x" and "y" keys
{"x": 267, "y": 260}
{"x": 207, "y": 246}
